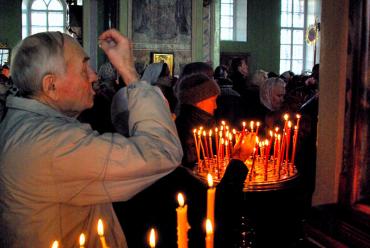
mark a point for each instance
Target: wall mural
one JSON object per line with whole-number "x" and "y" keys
{"x": 161, "y": 26}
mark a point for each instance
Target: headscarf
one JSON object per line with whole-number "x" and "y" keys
{"x": 266, "y": 91}
{"x": 152, "y": 73}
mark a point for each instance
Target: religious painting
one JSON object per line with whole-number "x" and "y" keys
{"x": 164, "y": 58}
{"x": 163, "y": 21}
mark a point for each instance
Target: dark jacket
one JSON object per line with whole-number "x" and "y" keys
{"x": 191, "y": 117}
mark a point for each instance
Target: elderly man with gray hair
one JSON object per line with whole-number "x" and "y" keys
{"x": 58, "y": 176}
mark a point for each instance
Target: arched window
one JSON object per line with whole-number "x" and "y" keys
{"x": 43, "y": 15}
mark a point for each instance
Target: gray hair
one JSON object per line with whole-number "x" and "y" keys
{"x": 36, "y": 56}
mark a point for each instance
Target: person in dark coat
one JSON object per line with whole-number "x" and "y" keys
{"x": 229, "y": 102}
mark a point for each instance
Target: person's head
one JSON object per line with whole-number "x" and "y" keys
{"x": 272, "y": 93}
{"x": 200, "y": 91}
{"x": 53, "y": 68}
{"x": 5, "y": 70}
{"x": 239, "y": 65}
{"x": 316, "y": 71}
{"x": 197, "y": 67}
{"x": 221, "y": 72}
{"x": 259, "y": 77}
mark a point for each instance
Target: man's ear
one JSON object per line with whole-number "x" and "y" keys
{"x": 49, "y": 86}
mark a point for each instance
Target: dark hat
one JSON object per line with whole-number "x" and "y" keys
{"x": 196, "y": 87}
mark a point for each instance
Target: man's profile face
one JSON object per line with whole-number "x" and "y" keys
{"x": 75, "y": 86}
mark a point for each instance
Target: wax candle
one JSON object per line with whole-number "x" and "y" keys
{"x": 211, "y": 193}
{"x": 295, "y": 136}
{"x": 182, "y": 223}
{"x": 288, "y": 146}
{"x": 82, "y": 240}
{"x": 101, "y": 234}
{"x": 152, "y": 238}
{"x": 209, "y": 234}
{"x": 243, "y": 127}
{"x": 258, "y": 125}
{"x": 206, "y": 143}
{"x": 252, "y": 126}
{"x": 55, "y": 244}
{"x": 196, "y": 145}
{"x": 210, "y": 142}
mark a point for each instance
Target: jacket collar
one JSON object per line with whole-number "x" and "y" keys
{"x": 34, "y": 106}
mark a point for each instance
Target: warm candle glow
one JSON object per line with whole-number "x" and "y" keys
{"x": 276, "y": 129}
{"x": 209, "y": 227}
{"x": 252, "y": 125}
{"x": 100, "y": 228}
{"x": 55, "y": 244}
{"x": 223, "y": 123}
{"x": 210, "y": 132}
{"x": 180, "y": 199}
{"x": 82, "y": 239}
{"x": 289, "y": 124}
{"x": 286, "y": 117}
{"x": 258, "y": 123}
{"x": 210, "y": 180}
{"x": 271, "y": 133}
{"x": 152, "y": 238}
{"x": 298, "y": 116}
{"x": 194, "y": 131}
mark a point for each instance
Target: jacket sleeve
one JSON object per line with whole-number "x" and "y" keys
{"x": 89, "y": 168}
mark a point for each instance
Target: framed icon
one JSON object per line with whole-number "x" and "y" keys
{"x": 167, "y": 58}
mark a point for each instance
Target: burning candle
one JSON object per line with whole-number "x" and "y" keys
{"x": 55, "y": 244}
{"x": 182, "y": 223}
{"x": 101, "y": 234}
{"x": 295, "y": 136}
{"x": 226, "y": 149}
{"x": 152, "y": 238}
{"x": 211, "y": 193}
{"x": 243, "y": 127}
{"x": 209, "y": 234}
{"x": 252, "y": 126}
{"x": 258, "y": 125}
{"x": 206, "y": 143}
{"x": 196, "y": 145}
{"x": 288, "y": 144}
{"x": 82, "y": 240}
{"x": 210, "y": 143}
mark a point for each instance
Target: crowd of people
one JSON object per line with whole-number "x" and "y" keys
{"x": 72, "y": 142}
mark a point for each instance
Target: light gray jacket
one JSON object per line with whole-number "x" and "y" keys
{"x": 58, "y": 176}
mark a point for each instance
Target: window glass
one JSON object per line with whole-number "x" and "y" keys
{"x": 297, "y": 66}
{"x": 297, "y": 51}
{"x": 298, "y": 20}
{"x": 284, "y": 65}
{"x": 55, "y": 5}
{"x": 298, "y": 6}
{"x": 234, "y": 17}
{"x": 285, "y": 52}
{"x": 298, "y": 37}
{"x": 55, "y": 18}
{"x": 38, "y": 18}
{"x": 286, "y": 19}
{"x": 38, "y": 29}
{"x": 38, "y": 5}
{"x": 285, "y": 36}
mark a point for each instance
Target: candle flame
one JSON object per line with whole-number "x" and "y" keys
{"x": 295, "y": 127}
{"x": 223, "y": 123}
{"x": 152, "y": 238}
{"x": 210, "y": 180}
{"x": 298, "y": 116}
{"x": 216, "y": 130}
{"x": 289, "y": 124}
{"x": 266, "y": 142}
{"x": 194, "y": 130}
{"x": 222, "y": 141}
{"x": 244, "y": 124}
{"x": 234, "y": 131}
{"x": 201, "y": 128}
{"x": 82, "y": 239}
{"x": 204, "y": 133}
{"x": 258, "y": 123}
{"x": 209, "y": 228}
{"x": 180, "y": 199}
{"x": 252, "y": 124}
{"x": 286, "y": 117}
{"x": 55, "y": 244}
{"x": 210, "y": 132}
{"x": 100, "y": 228}
{"x": 271, "y": 133}
{"x": 276, "y": 129}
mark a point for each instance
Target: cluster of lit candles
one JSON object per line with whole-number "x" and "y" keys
{"x": 272, "y": 158}
{"x": 182, "y": 224}
{"x": 82, "y": 238}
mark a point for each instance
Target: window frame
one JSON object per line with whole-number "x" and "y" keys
{"x": 293, "y": 28}
{"x": 27, "y": 11}
{"x": 234, "y": 23}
